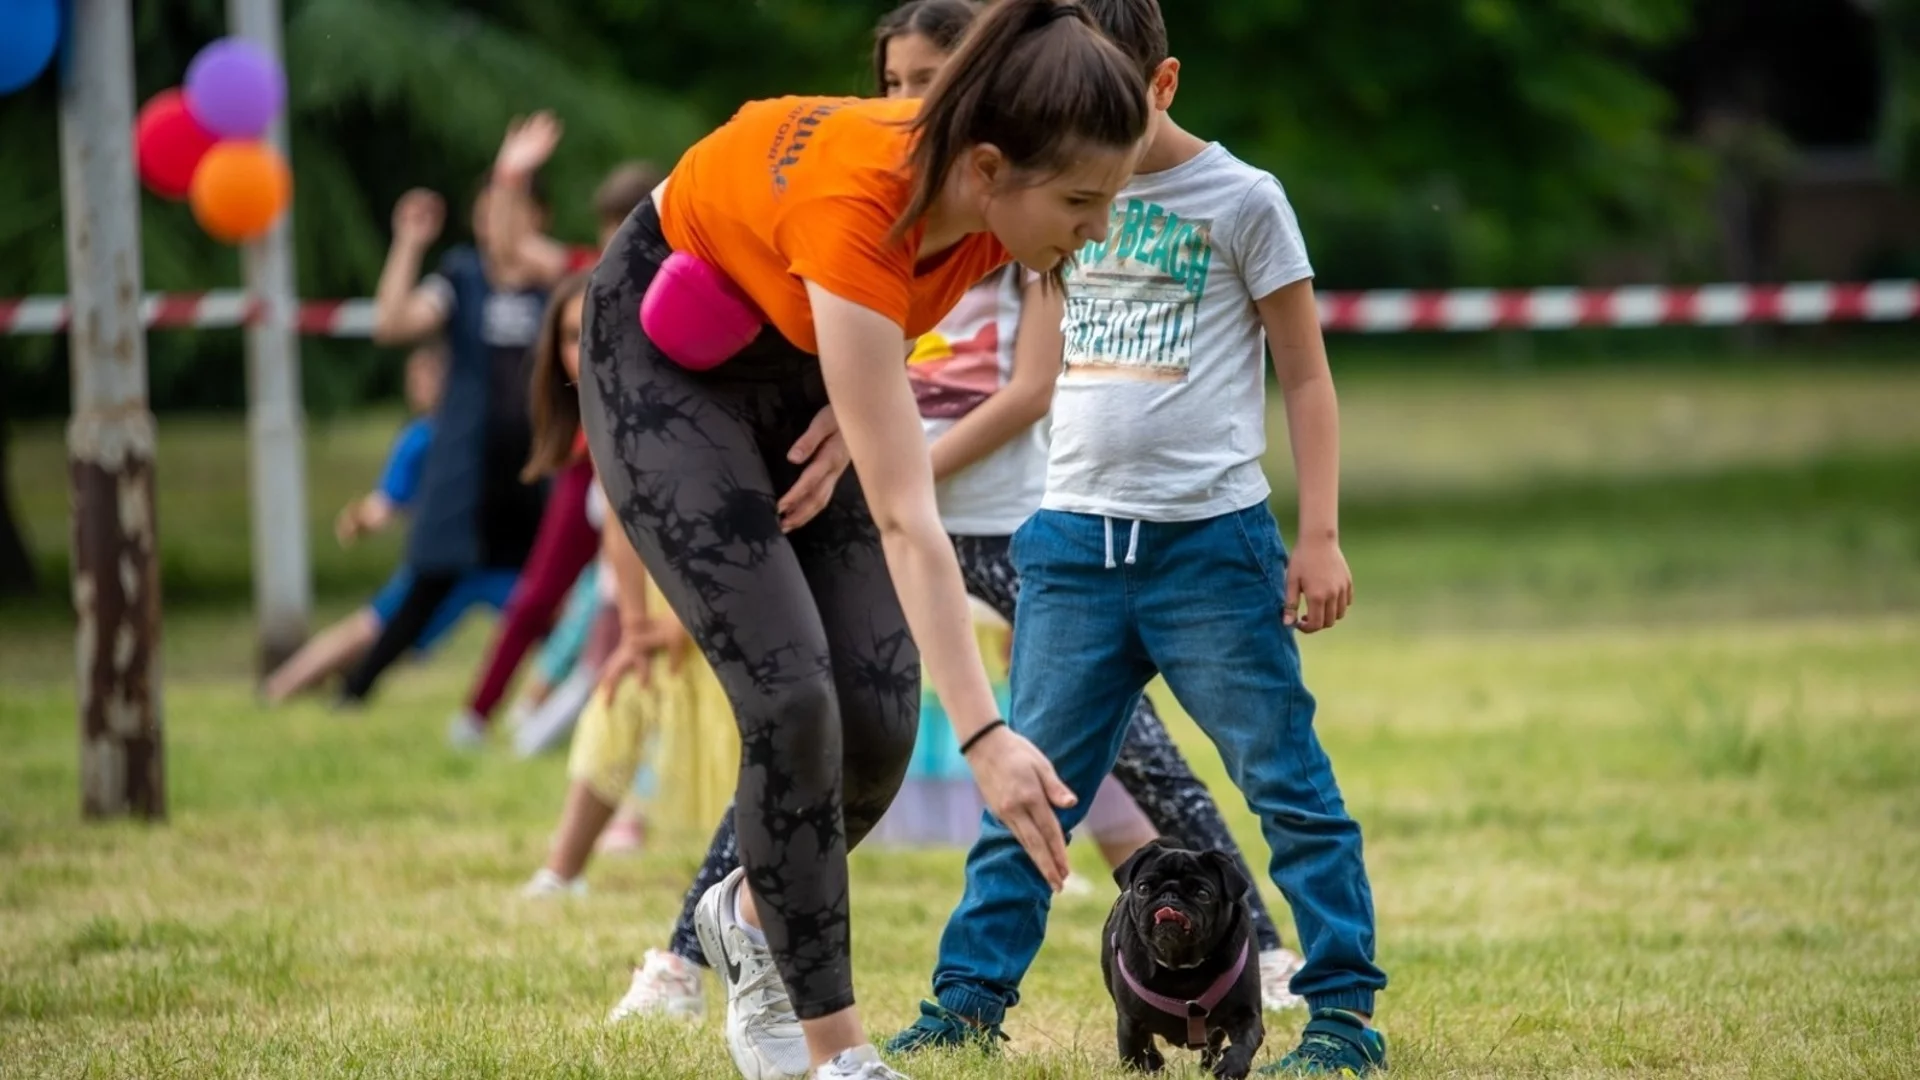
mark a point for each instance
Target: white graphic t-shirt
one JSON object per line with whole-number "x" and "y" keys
{"x": 956, "y": 366}
{"x": 1160, "y": 413}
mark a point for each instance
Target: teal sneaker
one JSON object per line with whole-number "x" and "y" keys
{"x": 1335, "y": 1043}
{"x": 942, "y": 1029}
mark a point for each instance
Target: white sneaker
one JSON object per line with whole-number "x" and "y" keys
{"x": 546, "y": 883}
{"x": 466, "y": 732}
{"x": 1277, "y": 968}
{"x": 1076, "y": 885}
{"x": 663, "y": 985}
{"x": 763, "y": 1034}
{"x": 859, "y": 1063}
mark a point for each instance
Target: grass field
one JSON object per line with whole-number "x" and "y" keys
{"x": 1629, "y": 710}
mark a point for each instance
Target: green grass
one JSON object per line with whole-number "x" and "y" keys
{"x": 1548, "y": 457}
{"x": 1634, "y": 737}
{"x": 1688, "y": 851}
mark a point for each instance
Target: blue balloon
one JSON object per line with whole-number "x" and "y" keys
{"x": 29, "y": 33}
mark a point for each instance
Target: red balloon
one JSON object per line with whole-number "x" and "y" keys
{"x": 169, "y": 143}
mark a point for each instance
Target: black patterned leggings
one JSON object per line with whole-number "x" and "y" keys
{"x": 803, "y": 631}
{"x": 1151, "y": 768}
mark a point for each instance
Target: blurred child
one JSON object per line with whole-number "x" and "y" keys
{"x": 656, "y": 693}
{"x": 565, "y": 543}
{"x": 556, "y": 689}
{"x": 343, "y": 643}
{"x": 476, "y": 515}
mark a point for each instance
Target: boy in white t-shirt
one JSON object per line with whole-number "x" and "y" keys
{"x": 1154, "y": 553}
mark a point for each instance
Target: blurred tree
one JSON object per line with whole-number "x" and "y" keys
{"x": 17, "y": 575}
{"x": 1899, "y": 136}
{"x": 1483, "y": 142}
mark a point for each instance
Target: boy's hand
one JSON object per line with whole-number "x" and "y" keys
{"x": 417, "y": 217}
{"x": 529, "y": 143}
{"x": 1318, "y": 574}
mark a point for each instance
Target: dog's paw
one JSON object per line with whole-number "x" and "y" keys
{"x": 1231, "y": 1066}
{"x": 1148, "y": 1060}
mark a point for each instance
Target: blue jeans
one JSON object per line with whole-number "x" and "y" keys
{"x": 1102, "y": 609}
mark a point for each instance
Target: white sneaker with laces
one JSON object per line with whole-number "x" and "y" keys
{"x": 763, "y": 1034}
{"x": 859, "y": 1063}
{"x": 545, "y": 883}
{"x": 1277, "y": 968}
{"x": 663, "y": 985}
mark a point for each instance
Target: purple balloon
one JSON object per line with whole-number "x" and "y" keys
{"x": 235, "y": 89}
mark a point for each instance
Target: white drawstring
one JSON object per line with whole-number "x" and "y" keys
{"x": 1133, "y": 542}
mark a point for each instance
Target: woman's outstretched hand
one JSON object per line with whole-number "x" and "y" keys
{"x": 1022, "y": 790}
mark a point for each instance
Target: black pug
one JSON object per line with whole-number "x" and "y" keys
{"x": 1179, "y": 960}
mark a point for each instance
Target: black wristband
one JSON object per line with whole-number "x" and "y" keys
{"x": 978, "y": 735}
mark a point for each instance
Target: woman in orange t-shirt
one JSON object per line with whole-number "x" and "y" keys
{"x": 853, "y": 226}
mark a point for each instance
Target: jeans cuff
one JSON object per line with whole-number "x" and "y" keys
{"x": 976, "y": 1005}
{"x": 1360, "y": 1001}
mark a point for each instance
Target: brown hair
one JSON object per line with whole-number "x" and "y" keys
{"x": 939, "y": 21}
{"x": 553, "y": 402}
{"x": 1137, "y": 27}
{"x": 623, "y": 189}
{"x": 1034, "y": 78}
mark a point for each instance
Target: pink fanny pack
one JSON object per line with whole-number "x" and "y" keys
{"x": 696, "y": 316}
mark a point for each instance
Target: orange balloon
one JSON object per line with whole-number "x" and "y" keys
{"x": 239, "y": 190}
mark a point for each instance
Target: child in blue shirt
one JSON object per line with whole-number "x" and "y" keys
{"x": 340, "y": 645}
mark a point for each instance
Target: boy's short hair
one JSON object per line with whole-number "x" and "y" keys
{"x": 623, "y": 189}
{"x": 1137, "y": 27}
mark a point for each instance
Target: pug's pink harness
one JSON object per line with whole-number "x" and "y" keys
{"x": 1197, "y": 1010}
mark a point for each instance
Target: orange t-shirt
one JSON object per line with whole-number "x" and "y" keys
{"x": 809, "y": 187}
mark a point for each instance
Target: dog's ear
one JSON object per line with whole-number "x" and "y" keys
{"x": 1233, "y": 880}
{"x": 1145, "y": 853}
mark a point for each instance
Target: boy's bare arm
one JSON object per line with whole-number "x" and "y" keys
{"x": 1317, "y": 571}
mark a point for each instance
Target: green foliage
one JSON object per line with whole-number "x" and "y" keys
{"x": 1900, "y": 123}
{"x": 1480, "y": 142}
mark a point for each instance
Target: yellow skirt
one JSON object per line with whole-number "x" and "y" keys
{"x": 680, "y": 722}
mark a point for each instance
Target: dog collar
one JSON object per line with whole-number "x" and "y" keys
{"x": 1197, "y": 1010}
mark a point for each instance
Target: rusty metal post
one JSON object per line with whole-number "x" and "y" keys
{"x": 110, "y": 438}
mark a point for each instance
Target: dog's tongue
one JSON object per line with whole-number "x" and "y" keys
{"x": 1167, "y": 914}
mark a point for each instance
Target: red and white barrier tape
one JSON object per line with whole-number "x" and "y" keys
{"x": 199, "y": 311}
{"x": 1380, "y": 311}
{"x": 1391, "y": 311}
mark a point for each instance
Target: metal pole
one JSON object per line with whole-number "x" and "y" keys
{"x": 110, "y": 439}
{"x": 282, "y": 578}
